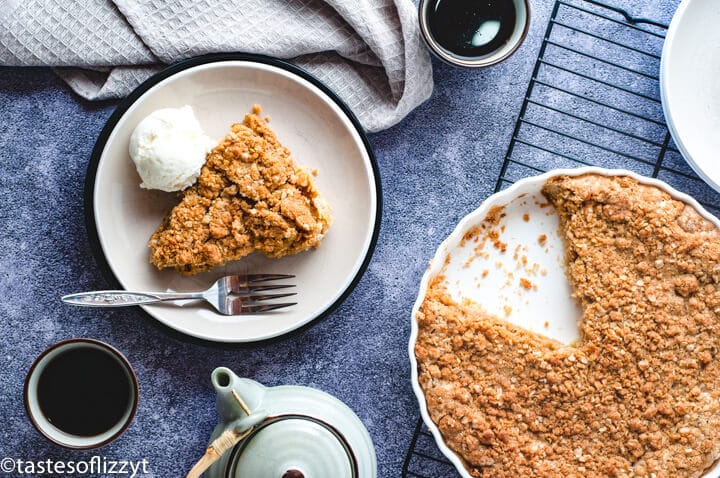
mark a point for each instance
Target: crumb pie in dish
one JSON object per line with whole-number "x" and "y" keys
{"x": 636, "y": 396}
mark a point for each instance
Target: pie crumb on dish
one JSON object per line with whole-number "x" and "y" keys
{"x": 250, "y": 196}
{"x": 637, "y": 396}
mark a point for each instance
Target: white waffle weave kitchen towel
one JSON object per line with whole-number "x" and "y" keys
{"x": 368, "y": 51}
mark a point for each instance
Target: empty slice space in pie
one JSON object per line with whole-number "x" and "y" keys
{"x": 250, "y": 196}
{"x": 636, "y": 395}
{"x": 510, "y": 263}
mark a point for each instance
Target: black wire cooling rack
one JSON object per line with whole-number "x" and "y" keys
{"x": 593, "y": 100}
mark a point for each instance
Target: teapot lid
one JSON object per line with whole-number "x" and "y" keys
{"x": 293, "y": 446}
{"x": 310, "y": 434}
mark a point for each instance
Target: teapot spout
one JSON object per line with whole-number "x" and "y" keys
{"x": 233, "y": 391}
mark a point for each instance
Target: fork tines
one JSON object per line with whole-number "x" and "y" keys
{"x": 254, "y": 309}
{"x": 245, "y": 288}
{"x": 249, "y": 283}
{"x": 261, "y": 297}
{"x": 262, "y": 277}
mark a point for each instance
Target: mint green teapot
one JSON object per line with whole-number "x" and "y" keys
{"x": 283, "y": 432}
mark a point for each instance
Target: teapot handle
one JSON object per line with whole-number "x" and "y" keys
{"x": 242, "y": 425}
{"x": 235, "y": 432}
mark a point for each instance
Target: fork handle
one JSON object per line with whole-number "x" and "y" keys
{"x": 122, "y": 298}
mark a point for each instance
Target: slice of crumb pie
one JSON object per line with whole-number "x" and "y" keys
{"x": 250, "y": 196}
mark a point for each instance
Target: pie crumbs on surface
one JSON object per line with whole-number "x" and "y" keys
{"x": 250, "y": 196}
{"x": 637, "y": 396}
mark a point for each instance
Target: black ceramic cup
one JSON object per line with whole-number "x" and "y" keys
{"x": 81, "y": 393}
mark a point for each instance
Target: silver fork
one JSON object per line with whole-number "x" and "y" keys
{"x": 229, "y": 295}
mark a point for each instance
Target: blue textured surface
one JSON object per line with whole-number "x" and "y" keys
{"x": 436, "y": 166}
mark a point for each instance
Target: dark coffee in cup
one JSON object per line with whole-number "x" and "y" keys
{"x": 84, "y": 391}
{"x": 81, "y": 393}
{"x": 471, "y": 28}
{"x": 474, "y": 33}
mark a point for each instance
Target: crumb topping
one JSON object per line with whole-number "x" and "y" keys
{"x": 250, "y": 196}
{"x": 637, "y": 396}
{"x": 525, "y": 283}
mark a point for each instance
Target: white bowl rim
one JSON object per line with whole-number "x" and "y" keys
{"x": 501, "y": 198}
{"x": 665, "y": 99}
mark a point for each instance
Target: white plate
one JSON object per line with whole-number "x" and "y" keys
{"x": 464, "y": 279}
{"x": 315, "y": 126}
{"x": 690, "y": 85}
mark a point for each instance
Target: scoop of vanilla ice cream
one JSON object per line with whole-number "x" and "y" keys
{"x": 168, "y": 148}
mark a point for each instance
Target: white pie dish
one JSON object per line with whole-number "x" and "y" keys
{"x": 553, "y": 289}
{"x": 320, "y": 132}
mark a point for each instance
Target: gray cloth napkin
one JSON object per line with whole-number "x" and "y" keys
{"x": 368, "y": 51}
